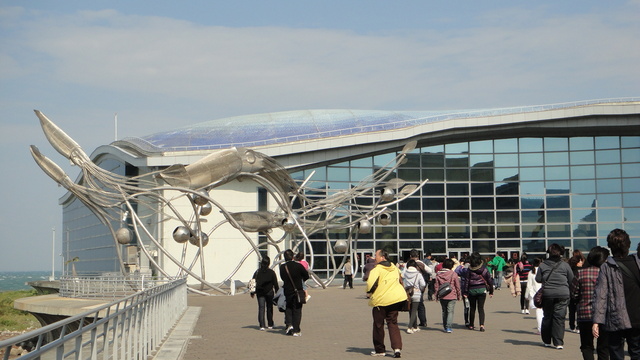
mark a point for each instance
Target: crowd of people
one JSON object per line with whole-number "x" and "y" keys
{"x": 600, "y": 292}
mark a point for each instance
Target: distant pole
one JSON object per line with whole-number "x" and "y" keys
{"x": 53, "y": 254}
{"x": 116, "y": 127}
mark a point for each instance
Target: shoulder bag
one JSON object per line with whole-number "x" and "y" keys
{"x": 301, "y": 296}
{"x": 537, "y": 298}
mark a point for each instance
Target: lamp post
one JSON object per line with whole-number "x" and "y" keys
{"x": 53, "y": 254}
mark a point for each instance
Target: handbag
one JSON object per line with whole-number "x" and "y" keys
{"x": 444, "y": 290}
{"x": 537, "y": 298}
{"x": 301, "y": 295}
{"x": 252, "y": 286}
{"x": 406, "y": 306}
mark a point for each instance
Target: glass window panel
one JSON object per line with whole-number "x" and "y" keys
{"x": 632, "y": 214}
{"x": 584, "y": 230}
{"x": 430, "y": 189}
{"x": 581, "y": 143}
{"x": 583, "y": 215}
{"x": 532, "y": 188}
{"x": 457, "y": 244}
{"x": 630, "y": 141}
{"x": 363, "y": 162}
{"x": 458, "y": 232}
{"x": 408, "y": 174}
{"x": 556, "y": 144}
{"x": 412, "y": 160}
{"x": 482, "y": 189}
{"x": 433, "y": 217}
{"x": 479, "y": 147}
{"x": 358, "y": 174}
{"x": 433, "y": 174}
{"x": 531, "y": 174}
{"x": 630, "y": 170}
{"x": 457, "y": 175}
{"x": 507, "y": 188}
{"x": 532, "y": 202}
{"x": 556, "y": 216}
{"x": 532, "y": 246}
{"x": 457, "y": 189}
{"x": 411, "y": 203}
{"x": 454, "y": 161}
{"x": 483, "y": 232}
{"x": 609, "y": 185}
{"x": 484, "y": 246}
{"x": 533, "y": 159}
{"x": 558, "y": 202}
{"x": 457, "y": 148}
{"x": 433, "y": 203}
{"x": 630, "y": 155}
{"x": 506, "y": 160}
{"x": 410, "y": 232}
{"x": 433, "y": 232}
{"x": 584, "y": 245}
{"x": 433, "y": 160}
{"x": 507, "y": 203}
{"x": 557, "y": 173}
{"x": 338, "y": 173}
{"x": 508, "y": 231}
{"x": 320, "y": 173}
{"x": 482, "y": 203}
{"x": 507, "y": 217}
{"x": 298, "y": 175}
{"x": 482, "y": 160}
{"x": 531, "y": 145}
{"x": 505, "y": 145}
{"x": 610, "y": 200}
{"x": 383, "y": 160}
{"x": 583, "y": 172}
{"x": 334, "y": 185}
{"x": 386, "y": 232}
{"x": 607, "y": 142}
{"x": 405, "y": 217}
{"x": 482, "y": 217}
{"x": 604, "y": 229}
{"x": 432, "y": 149}
{"x": 608, "y": 171}
{"x": 556, "y": 159}
{"x": 457, "y": 217}
{"x": 508, "y": 244}
{"x": 506, "y": 174}
{"x": 457, "y": 203}
{"x": 411, "y": 244}
{"x": 435, "y": 247}
{"x": 582, "y": 187}
{"x": 629, "y": 185}
{"x": 557, "y": 230}
{"x": 533, "y": 231}
{"x": 557, "y": 187}
{"x": 479, "y": 174}
{"x": 581, "y": 157}
{"x": 609, "y": 215}
{"x": 607, "y": 156}
{"x": 631, "y": 199}
{"x": 532, "y": 217}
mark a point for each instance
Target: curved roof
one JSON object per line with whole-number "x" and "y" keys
{"x": 291, "y": 126}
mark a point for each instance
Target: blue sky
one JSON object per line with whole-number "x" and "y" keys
{"x": 167, "y": 64}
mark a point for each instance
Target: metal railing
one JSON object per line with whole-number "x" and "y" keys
{"x": 130, "y": 328}
{"x": 106, "y": 287}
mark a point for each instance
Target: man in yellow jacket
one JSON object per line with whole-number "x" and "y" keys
{"x": 386, "y": 295}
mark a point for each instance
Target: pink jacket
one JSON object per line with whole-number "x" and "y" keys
{"x": 450, "y": 276}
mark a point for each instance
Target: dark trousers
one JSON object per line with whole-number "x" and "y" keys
{"x": 293, "y": 313}
{"x": 265, "y": 305}
{"x": 467, "y": 305}
{"x": 586, "y": 342}
{"x": 422, "y": 312}
{"x": 348, "y": 280}
{"x": 476, "y": 301}
{"x": 554, "y": 312}
{"x": 616, "y": 344}
{"x": 388, "y": 314}
{"x": 524, "y": 303}
{"x": 573, "y": 308}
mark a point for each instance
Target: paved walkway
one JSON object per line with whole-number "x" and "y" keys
{"x": 336, "y": 324}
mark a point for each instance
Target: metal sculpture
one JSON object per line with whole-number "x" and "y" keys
{"x": 302, "y": 211}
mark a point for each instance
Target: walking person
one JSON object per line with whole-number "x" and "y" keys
{"x": 582, "y": 291}
{"x": 616, "y": 308}
{"x": 347, "y": 272}
{"x": 266, "y": 287}
{"x": 476, "y": 286}
{"x": 465, "y": 300}
{"x": 498, "y": 263}
{"x": 576, "y": 262}
{"x": 427, "y": 274}
{"x": 523, "y": 268}
{"x": 412, "y": 277}
{"x": 293, "y": 275}
{"x": 532, "y": 288}
{"x": 386, "y": 296}
{"x": 447, "y": 278}
{"x": 556, "y": 276}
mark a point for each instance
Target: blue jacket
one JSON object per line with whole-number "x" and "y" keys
{"x": 609, "y": 304}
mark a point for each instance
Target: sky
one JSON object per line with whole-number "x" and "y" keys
{"x": 161, "y": 65}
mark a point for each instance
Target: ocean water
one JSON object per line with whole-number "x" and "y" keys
{"x": 16, "y": 280}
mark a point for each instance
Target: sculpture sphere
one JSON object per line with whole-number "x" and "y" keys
{"x": 124, "y": 236}
{"x": 206, "y": 209}
{"x": 181, "y": 234}
{"x": 341, "y": 247}
{"x": 200, "y": 200}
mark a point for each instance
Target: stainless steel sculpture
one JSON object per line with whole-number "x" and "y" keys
{"x": 317, "y": 211}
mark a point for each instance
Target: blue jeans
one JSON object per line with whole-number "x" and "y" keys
{"x": 447, "y": 312}
{"x": 498, "y": 279}
{"x": 552, "y": 329}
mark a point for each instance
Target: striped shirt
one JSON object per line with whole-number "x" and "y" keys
{"x": 582, "y": 289}
{"x": 523, "y": 270}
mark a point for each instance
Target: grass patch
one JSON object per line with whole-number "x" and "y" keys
{"x": 12, "y": 319}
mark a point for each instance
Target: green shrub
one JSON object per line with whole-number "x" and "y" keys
{"x": 13, "y": 319}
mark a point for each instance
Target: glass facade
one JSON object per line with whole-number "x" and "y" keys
{"x": 519, "y": 194}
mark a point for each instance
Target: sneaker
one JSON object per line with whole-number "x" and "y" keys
{"x": 396, "y": 354}
{"x": 559, "y": 347}
{"x": 448, "y": 330}
{"x": 548, "y": 345}
{"x": 307, "y": 298}
{"x": 297, "y": 334}
{"x": 261, "y": 329}
{"x": 270, "y": 328}
{"x": 482, "y": 328}
{"x": 415, "y": 330}
{"x": 373, "y": 353}
{"x": 289, "y": 330}
{"x": 410, "y": 331}
{"x": 526, "y": 311}
{"x": 522, "y": 311}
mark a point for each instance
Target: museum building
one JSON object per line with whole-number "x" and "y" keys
{"x": 508, "y": 179}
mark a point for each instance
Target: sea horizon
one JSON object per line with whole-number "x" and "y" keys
{"x": 16, "y": 280}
